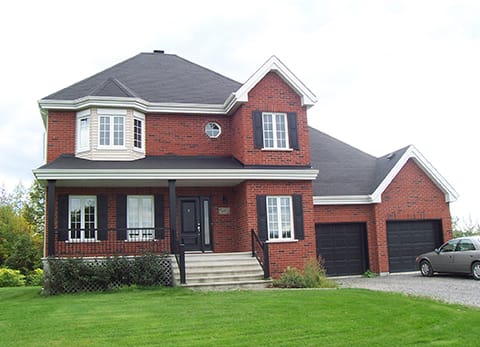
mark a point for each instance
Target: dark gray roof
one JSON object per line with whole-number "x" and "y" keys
{"x": 154, "y": 77}
{"x": 68, "y": 161}
{"x": 345, "y": 170}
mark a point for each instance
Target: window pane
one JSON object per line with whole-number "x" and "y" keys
{"x": 118, "y": 131}
{"x": 272, "y": 216}
{"x": 286, "y": 217}
{"x": 89, "y": 213}
{"x": 281, "y": 131}
{"x": 268, "y": 141}
{"x": 140, "y": 217}
{"x": 104, "y": 131}
{"x": 137, "y": 133}
{"x": 206, "y": 222}
{"x": 83, "y": 133}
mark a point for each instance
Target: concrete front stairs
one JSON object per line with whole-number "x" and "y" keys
{"x": 221, "y": 271}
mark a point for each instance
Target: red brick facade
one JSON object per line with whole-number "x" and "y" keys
{"x": 410, "y": 196}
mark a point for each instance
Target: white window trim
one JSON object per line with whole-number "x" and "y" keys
{"x": 80, "y": 116}
{"x": 219, "y": 130}
{"x": 112, "y": 131}
{"x": 141, "y": 237}
{"x": 274, "y": 130}
{"x": 279, "y": 220}
{"x": 82, "y": 198}
{"x": 141, "y": 117}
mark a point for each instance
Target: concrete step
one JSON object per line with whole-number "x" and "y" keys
{"x": 221, "y": 271}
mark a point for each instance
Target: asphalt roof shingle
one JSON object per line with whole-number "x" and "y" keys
{"x": 154, "y": 77}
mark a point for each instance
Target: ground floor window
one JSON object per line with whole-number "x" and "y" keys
{"x": 279, "y": 217}
{"x": 140, "y": 217}
{"x": 82, "y": 218}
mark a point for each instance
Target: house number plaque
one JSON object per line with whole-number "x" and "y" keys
{"x": 223, "y": 210}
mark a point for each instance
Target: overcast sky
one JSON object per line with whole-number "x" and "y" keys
{"x": 386, "y": 73}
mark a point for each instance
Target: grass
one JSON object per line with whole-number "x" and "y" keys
{"x": 179, "y": 317}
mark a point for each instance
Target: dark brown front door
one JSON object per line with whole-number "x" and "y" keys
{"x": 195, "y": 223}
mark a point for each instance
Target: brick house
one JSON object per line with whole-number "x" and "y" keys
{"x": 159, "y": 154}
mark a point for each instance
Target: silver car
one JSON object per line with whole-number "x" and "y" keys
{"x": 461, "y": 255}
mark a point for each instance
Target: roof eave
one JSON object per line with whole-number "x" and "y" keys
{"x": 412, "y": 153}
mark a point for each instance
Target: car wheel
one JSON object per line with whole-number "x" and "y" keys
{"x": 426, "y": 268}
{"x": 476, "y": 271}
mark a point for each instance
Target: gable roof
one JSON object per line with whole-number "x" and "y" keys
{"x": 159, "y": 82}
{"x": 350, "y": 176}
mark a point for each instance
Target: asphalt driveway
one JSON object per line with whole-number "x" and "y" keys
{"x": 449, "y": 288}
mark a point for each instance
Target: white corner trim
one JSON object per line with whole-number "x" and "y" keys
{"x": 274, "y": 64}
{"x": 413, "y": 153}
{"x": 343, "y": 200}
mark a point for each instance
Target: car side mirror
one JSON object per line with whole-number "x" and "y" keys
{"x": 437, "y": 250}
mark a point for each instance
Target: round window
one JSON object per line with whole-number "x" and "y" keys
{"x": 213, "y": 130}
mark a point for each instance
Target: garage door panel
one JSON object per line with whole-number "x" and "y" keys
{"x": 407, "y": 239}
{"x": 343, "y": 247}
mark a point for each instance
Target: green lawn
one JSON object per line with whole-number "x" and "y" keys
{"x": 178, "y": 317}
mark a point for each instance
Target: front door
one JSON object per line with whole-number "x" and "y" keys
{"x": 195, "y": 223}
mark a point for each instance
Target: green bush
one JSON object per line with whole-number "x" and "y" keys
{"x": 34, "y": 278}
{"x": 291, "y": 278}
{"x": 11, "y": 278}
{"x": 76, "y": 275}
{"x": 313, "y": 276}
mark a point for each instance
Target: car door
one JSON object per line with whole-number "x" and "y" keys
{"x": 464, "y": 255}
{"x": 444, "y": 261}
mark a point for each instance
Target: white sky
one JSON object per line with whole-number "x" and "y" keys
{"x": 386, "y": 73}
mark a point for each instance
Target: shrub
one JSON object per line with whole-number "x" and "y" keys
{"x": 313, "y": 276}
{"x": 291, "y": 278}
{"x": 34, "y": 278}
{"x": 11, "y": 278}
{"x": 75, "y": 275}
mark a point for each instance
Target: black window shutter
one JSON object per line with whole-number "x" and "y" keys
{"x": 292, "y": 130}
{"x": 102, "y": 214}
{"x": 62, "y": 217}
{"x": 121, "y": 217}
{"x": 159, "y": 218}
{"x": 298, "y": 217}
{"x": 262, "y": 217}
{"x": 257, "y": 129}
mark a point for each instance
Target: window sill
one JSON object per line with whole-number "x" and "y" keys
{"x": 82, "y": 241}
{"x": 277, "y": 149}
{"x": 111, "y": 148}
{"x": 281, "y": 241}
{"x": 143, "y": 240}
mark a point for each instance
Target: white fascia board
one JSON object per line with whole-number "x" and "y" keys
{"x": 343, "y": 200}
{"x": 274, "y": 64}
{"x": 135, "y": 103}
{"x": 192, "y": 174}
{"x": 412, "y": 153}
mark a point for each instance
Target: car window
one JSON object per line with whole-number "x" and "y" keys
{"x": 465, "y": 245}
{"x": 449, "y": 246}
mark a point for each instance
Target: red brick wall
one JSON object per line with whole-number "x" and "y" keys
{"x": 282, "y": 254}
{"x": 274, "y": 95}
{"x": 184, "y": 135}
{"x": 60, "y": 134}
{"x": 410, "y": 196}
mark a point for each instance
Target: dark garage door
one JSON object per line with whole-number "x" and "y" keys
{"x": 406, "y": 240}
{"x": 343, "y": 246}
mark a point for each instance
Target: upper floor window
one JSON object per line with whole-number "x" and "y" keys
{"x": 275, "y": 133}
{"x": 83, "y": 131}
{"x": 137, "y": 133}
{"x": 275, "y": 130}
{"x": 213, "y": 130}
{"x": 112, "y": 131}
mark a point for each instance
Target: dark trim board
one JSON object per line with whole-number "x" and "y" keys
{"x": 343, "y": 246}
{"x": 408, "y": 239}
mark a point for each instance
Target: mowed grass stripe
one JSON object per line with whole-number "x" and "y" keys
{"x": 179, "y": 317}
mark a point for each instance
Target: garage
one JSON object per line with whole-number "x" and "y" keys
{"x": 407, "y": 239}
{"x": 343, "y": 246}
